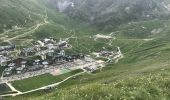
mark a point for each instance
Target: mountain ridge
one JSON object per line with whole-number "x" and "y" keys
{"x": 113, "y": 12}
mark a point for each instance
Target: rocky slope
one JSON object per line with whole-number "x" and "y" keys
{"x": 106, "y": 14}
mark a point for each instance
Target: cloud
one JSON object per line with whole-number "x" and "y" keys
{"x": 63, "y": 5}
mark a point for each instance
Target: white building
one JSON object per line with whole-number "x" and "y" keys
{"x": 23, "y": 64}
{"x": 45, "y": 64}
{"x": 63, "y": 44}
{"x": 62, "y": 52}
{"x": 3, "y": 60}
{"x": 41, "y": 43}
{"x": 19, "y": 70}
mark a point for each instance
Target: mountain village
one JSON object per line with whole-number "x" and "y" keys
{"x": 44, "y": 54}
{"x": 48, "y": 56}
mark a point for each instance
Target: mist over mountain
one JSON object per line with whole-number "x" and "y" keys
{"x": 113, "y": 12}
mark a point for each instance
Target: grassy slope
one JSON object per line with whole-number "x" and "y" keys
{"x": 18, "y": 13}
{"x": 144, "y": 86}
{"x": 40, "y": 81}
{"x": 143, "y": 74}
{"x": 143, "y": 59}
{"x": 4, "y": 88}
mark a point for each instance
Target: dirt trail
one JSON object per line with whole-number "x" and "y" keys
{"x": 12, "y": 88}
{"x": 32, "y": 31}
{"x": 41, "y": 88}
{"x": 147, "y": 39}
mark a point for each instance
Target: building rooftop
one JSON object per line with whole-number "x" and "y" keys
{"x": 20, "y": 69}
{"x": 23, "y": 62}
{"x": 11, "y": 65}
{"x": 28, "y": 50}
{"x": 3, "y": 58}
{"x": 45, "y": 63}
{"x": 8, "y": 69}
{"x": 37, "y": 60}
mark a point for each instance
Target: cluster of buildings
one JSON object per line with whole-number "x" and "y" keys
{"x": 44, "y": 48}
{"x": 3, "y": 60}
{"x": 20, "y": 65}
{"x": 109, "y": 54}
{"x": 44, "y": 53}
{"x": 4, "y": 51}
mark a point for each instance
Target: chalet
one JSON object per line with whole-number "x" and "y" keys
{"x": 28, "y": 51}
{"x": 41, "y": 43}
{"x": 69, "y": 58}
{"x": 50, "y": 53}
{"x": 78, "y": 56}
{"x": 7, "y": 48}
{"x": 36, "y": 62}
{"x": 58, "y": 58}
{"x": 45, "y": 64}
{"x": 23, "y": 64}
{"x": 42, "y": 54}
{"x": 49, "y": 41}
{"x": 37, "y": 47}
{"x": 35, "y": 68}
{"x": 18, "y": 61}
{"x": 3, "y": 60}
{"x": 106, "y": 53}
{"x": 81, "y": 56}
{"x": 62, "y": 53}
{"x": 46, "y": 40}
{"x": 50, "y": 46}
{"x": 63, "y": 44}
{"x": 8, "y": 71}
{"x": 11, "y": 65}
{"x": 19, "y": 70}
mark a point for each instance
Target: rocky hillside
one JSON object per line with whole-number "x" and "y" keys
{"x": 107, "y": 14}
